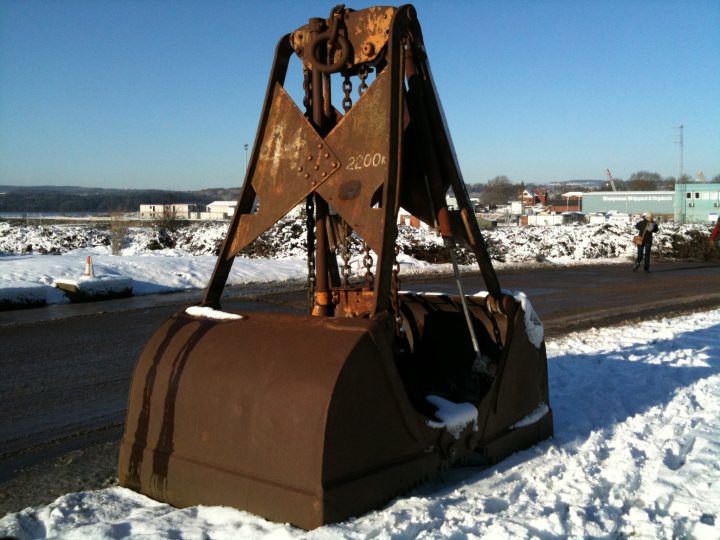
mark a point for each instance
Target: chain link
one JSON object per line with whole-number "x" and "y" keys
{"x": 336, "y": 16}
{"x": 368, "y": 262}
{"x": 347, "y": 88}
{"x": 364, "y": 72}
{"x": 307, "y": 84}
{"x": 309, "y": 202}
{"x": 345, "y": 254}
{"x": 310, "y": 224}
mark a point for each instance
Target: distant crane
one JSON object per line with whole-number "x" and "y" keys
{"x": 610, "y": 179}
{"x": 701, "y": 176}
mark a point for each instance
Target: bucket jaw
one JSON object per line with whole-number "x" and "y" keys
{"x": 231, "y": 413}
{"x": 311, "y": 419}
{"x": 247, "y": 412}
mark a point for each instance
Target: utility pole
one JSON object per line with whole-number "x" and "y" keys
{"x": 681, "y": 142}
{"x": 683, "y": 202}
{"x": 246, "y": 157}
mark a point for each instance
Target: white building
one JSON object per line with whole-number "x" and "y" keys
{"x": 545, "y": 219}
{"x": 164, "y": 211}
{"x": 452, "y": 203}
{"x": 224, "y": 209}
{"x": 215, "y": 211}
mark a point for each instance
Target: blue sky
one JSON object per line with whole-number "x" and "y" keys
{"x": 164, "y": 94}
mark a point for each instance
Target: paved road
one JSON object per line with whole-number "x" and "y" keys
{"x": 578, "y": 297}
{"x": 65, "y": 370}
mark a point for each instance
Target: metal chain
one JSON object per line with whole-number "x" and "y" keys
{"x": 309, "y": 202}
{"x": 368, "y": 262}
{"x": 336, "y": 15}
{"x": 310, "y": 224}
{"x": 394, "y": 291}
{"x": 307, "y": 84}
{"x": 345, "y": 254}
{"x": 347, "y": 88}
{"x": 344, "y": 248}
{"x": 364, "y": 72}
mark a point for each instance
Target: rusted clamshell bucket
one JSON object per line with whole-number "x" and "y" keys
{"x": 309, "y": 420}
{"x": 313, "y": 419}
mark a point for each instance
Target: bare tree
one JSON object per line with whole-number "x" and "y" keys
{"x": 644, "y": 181}
{"x": 499, "y": 190}
{"x": 118, "y": 232}
{"x": 167, "y": 219}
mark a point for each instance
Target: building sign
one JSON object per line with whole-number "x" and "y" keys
{"x": 629, "y": 202}
{"x": 637, "y": 198}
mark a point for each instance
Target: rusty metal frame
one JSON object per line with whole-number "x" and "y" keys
{"x": 327, "y": 161}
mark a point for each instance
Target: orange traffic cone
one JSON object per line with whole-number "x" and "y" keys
{"x": 89, "y": 267}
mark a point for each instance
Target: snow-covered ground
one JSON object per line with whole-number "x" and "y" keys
{"x": 33, "y": 257}
{"x": 635, "y": 454}
{"x": 637, "y": 408}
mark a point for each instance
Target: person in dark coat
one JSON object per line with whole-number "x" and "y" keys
{"x": 646, "y": 228}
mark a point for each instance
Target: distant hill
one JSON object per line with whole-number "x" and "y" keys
{"x": 82, "y": 199}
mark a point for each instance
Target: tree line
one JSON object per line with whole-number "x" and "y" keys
{"x": 67, "y": 199}
{"x": 71, "y": 200}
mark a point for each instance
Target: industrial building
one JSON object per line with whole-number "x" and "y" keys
{"x": 689, "y": 203}
{"x": 660, "y": 203}
{"x": 697, "y": 203}
{"x": 174, "y": 210}
{"x": 215, "y": 211}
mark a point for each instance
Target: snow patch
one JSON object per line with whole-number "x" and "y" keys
{"x": 22, "y": 292}
{"x": 533, "y": 325}
{"x": 96, "y": 284}
{"x": 210, "y": 313}
{"x": 455, "y": 417}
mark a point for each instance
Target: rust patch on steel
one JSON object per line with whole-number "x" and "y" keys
{"x": 362, "y": 142}
{"x": 367, "y": 31}
{"x": 294, "y": 160}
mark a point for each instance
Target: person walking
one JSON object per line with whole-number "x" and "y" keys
{"x": 646, "y": 228}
